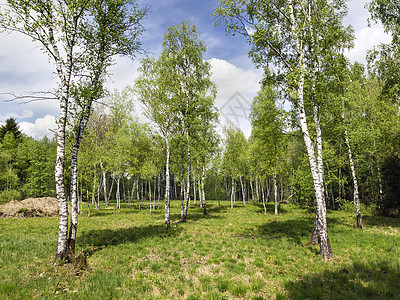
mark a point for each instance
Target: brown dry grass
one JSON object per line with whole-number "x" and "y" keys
{"x": 31, "y": 207}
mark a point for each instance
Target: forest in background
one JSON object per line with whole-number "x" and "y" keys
{"x": 338, "y": 143}
{"x": 124, "y": 157}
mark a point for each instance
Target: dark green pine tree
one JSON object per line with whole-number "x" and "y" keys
{"x": 10, "y": 126}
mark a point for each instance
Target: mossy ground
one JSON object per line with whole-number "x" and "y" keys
{"x": 235, "y": 253}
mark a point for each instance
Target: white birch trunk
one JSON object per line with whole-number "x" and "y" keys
{"x": 111, "y": 188}
{"x": 199, "y": 188}
{"x": 243, "y": 191}
{"x": 315, "y": 162}
{"x": 251, "y": 188}
{"x": 355, "y": 182}
{"x": 232, "y": 193}
{"x": 167, "y": 185}
{"x": 187, "y": 194}
{"x": 263, "y": 200}
{"x": 275, "y": 193}
{"x": 62, "y": 243}
{"x": 203, "y": 194}
{"x": 183, "y": 194}
{"x": 104, "y": 184}
{"x": 194, "y": 189}
{"x": 118, "y": 195}
{"x": 257, "y": 190}
{"x": 74, "y": 178}
{"x": 137, "y": 194}
{"x": 149, "y": 194}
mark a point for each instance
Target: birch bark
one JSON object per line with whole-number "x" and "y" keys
{"x": 355, "y": 182}
{"x": 65, "y": 78}
{"x": 243, "y": 191}
{"x": 74, "y": 180}
{"x": 167, "y": 185}
{"x": 315, "y": 162}
{"x": 203, "y": 194}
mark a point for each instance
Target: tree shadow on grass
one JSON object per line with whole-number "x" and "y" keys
{"x": 194, "y": 216}
{"x": 96, "y": 240}
{"x": 381, "y": 221}
{"x": 102, "y": 212}
{"x": 270, "y": 208}
{"x": 195, "y": 213}
{"x": 295, "y": 230}
{"x": 359, "y": 280}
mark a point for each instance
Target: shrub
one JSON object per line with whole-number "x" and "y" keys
{"x": 8, "y": 195}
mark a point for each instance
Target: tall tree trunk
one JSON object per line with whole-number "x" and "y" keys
{"x": 154, "y": 192}
{"x": 104, "y": 184}
{"x": 141, "y": 191}
{"x": 167, "y": 184}
{"x": 137, "y": 193}
{"x": 243, "y": 191}
{"x": 194, "y": 189}
{"x": 203, "y": 194}
{"x": 200, "y": 197}
{"x": 123, "y": 188}
{"x": 251, "y": 188}
{"x": 94, "y": 187}
{"x": 315, "y": 162}
{"x": 65, "y": 80}
{"x": 187, "y": 194}
{"x": 158, "y": 190}
{"x": 98, "y": 194}
{"x": 59, "y": 180}
{"x": 355, "y": 182}
{"x": 257, "y": 190}
{"x": 232, "y": 192}
{"x": 149, "y": 194}
{"x": 118, "y": 196}
{"x": 183, "y": 193}
{"x": 275, "y": 192}
{"x": 74, "y": 178}
{"x": 111, "y": 188}
{"x": 263, "y": 200}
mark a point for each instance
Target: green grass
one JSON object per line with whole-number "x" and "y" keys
{"x": 228, "y": 254}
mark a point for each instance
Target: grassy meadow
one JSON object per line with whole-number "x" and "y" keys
{"x": 235, "y": 253}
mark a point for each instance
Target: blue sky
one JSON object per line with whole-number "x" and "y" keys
{"x": 23, "y": 68}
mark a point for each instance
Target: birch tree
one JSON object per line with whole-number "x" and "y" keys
{"x": 192, "y": 87}
{"x": 154, "y": 88}
{"x": 268, "y": 123}
{"x": 112, "y": 28}
{"x": 54, "y": 26}
{"x": 235, "y": 146}
{"x": 291, "y": 40}
{"x": 60, "y": 28}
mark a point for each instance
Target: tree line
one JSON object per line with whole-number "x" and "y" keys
{"x": 337, "y": 143}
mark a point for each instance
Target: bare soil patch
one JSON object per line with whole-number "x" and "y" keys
{"x": 31, "y": 207}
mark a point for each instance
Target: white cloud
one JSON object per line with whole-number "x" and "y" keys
{"x": 42, "y": 127}
{"x": 123, "y": 73}
{"x": 236, "y": 90}
{"x": 25, "y": 114}
{"x": 231, "y": 79}
{"x": 366, "y": 39}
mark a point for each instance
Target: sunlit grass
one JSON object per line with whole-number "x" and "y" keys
{"x": 227, "y": 254}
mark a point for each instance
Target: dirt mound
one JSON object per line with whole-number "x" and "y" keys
{"x": 31, "y": 207}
